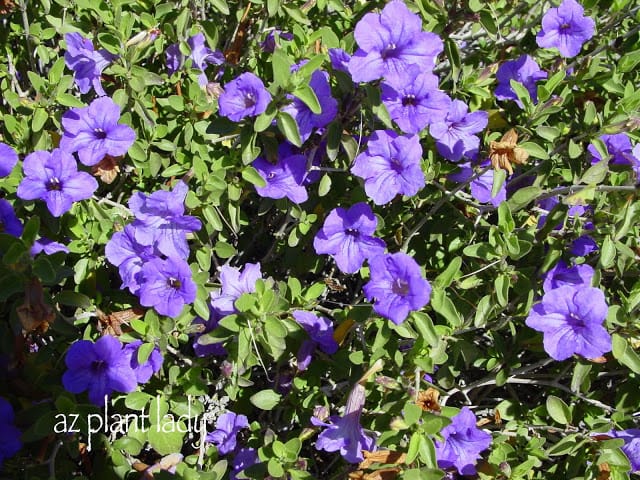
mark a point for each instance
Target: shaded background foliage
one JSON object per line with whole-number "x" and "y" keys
{"x": 484, "y": 263}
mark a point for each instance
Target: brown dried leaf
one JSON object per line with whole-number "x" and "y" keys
{"x": 111, "y": 324}
{"x": 604, "y": 471}
{"x": 34, "y": 313}
{"x": 382, "y": 456}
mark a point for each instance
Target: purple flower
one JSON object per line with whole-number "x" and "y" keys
{"x": 200, "y": 56}
{"x": 549, "y": 204}
{"x": 462, "y": 443}
{"x": 565, "y": 28}
{"x": 207, "y": 349}
{"x": 10, "y": 442}
{"x": 54, "y": 178}
{"x": 243, "y": 459}
{"x": 390, "y": 166}
{"x": 413, "y": 99}
{"x": 101, "y": 367}
{"x": 620, "y": 151}
{"x": 397, "y": 285}
{"x": 146, "y": 370}
{"x": 160, "y": 219}
{"x": 9, "y": 222}
{"x": 571, "y": 322}
{"x": 8, "y": 159}
{"x": 284, "y": 179}
{"x": 631, "y": 447}
{"x": 87, "y": 64}
{"x": 454, "y": 134}
{"x": 347, "y": 235}
{"x": 344, "y": 433}
{"x": 94, "y": 132}
{"x": 561, "y": 274}
{"x": 339, "y": 59}
{"x": 583, "y": 246}
{"x": 233, "y": 284}
{"x": 167, "y": 286}
{"x": 48, "y": 246}
{"x": 227, "y": 427}
{"x": 482, "y": 186}
{"x": 320, "y": 331}
{"x": 391, "y": 41}
{"x": 269, "y": 44}
{"x": 245, "y": 96}
{"x": 524, "y": 70}
{"x": 302, "y": 114}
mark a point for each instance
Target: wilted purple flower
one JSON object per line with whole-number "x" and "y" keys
{"x": 143, "y": 371}
{"x": 390, "y": 165}
{"x": 167, "y": 286}
{"x": 524, "y": 70}
{"x": 397, "y": 285}
{"x": 284, "y": 179}
{"x": 302, "y": 114}
{"x": 8, "y": 159}
{"x": 101, "y": 367}
{"x": 269, "y": 43}
{"x": 583, "y": 246}
{"x": 454, "y": 134}
{"x": 54, "y": 178}
{"x": 631, "y": 447}
{"x": 561, "y": 274}
{"x": 9, "y": 221}
{"x": 482, "y": 186}
{"x": 571, "y": 322}
{"x": 233, "y": 284}
{"x": 413, "y": 99}
{"x": 48, "y": 246}
{"x": 339, "y": 59}
{"x": 94, "y": 132}
{"x": 200, "y": 56}
{"x": 87, "y": 64}
{"x": 10, "y": 442}
{"x": 206, "y": 349}
{"x": 245, "y": 96}
{"x": 244, "y": 458}
{"x": 391, "y": 41}
{"x": 227, "y": 427}
{"x": 320, "y": 331}
{"x": 462, "y": 443}
{"x": 160, "y": 219}
{"x": 565, "y": 28}
{"x": 347, "y": 235}
{"x": 345, "y": 434}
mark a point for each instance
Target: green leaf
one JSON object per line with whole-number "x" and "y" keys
{"x": 505, "y": 220}
{"x": 40, "y": 117}
{"x": 502, "y": 284}
{"x": 251, "y": 175}
{"x": 523, "y": 197}
{"x": 305, "y": 93}
{"x": 166, "y": 436}
{"x": 272, "y": 7}
{"x": 535, "y": 150}
{"x": 289, "y": 128}
{"x": 224, "y": 250}
{"x": 558, "y": 410}
{"x": 446, "y": 278}
{"x": 265, "y": 399}
{"x": 623, "y": 352}
{"x": 595, "y": 173}
{"x": 144, "y": 351}
{"x": 281, "y": 65}
{"x": 607, "y": 252}
{"x": 445, "y": 307}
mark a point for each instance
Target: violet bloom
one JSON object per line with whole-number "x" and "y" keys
{"x": 200, "y": 56}
{"x": 565, "y": 28}
{"x": 345, "y": 434}
{"x": 243, "y": 459}
{"x": 269, "y": 44}
{"x": 284, "y": 179}
{"x": 320, "y": 331}
{"x": 462, "y": 443}
{"x": 10, "y": 442}
{"x": 413, "y": 99}
{"x": 561, "y": 274}
{"x": 243, "y": 97}
{"x": 524, "y": 70}
{"x": 9, "y": 221}
{"x": 571, "y": 322}
{"x": 620, "y": 151}
{"x": 167, "y": 286}
{"x": 94, "y": 132}
{"x": 160, "y": 220}
{"x": 397, "y": 285}
{"x": 144, "y": 371}
{"x": 227, "y": 427}
{"x": 339, "y": 59}
{"x": 207, "y": 349}
{"x": 8, "y": 159}
{"x": 455, "y": 133}
{"x": 101, "y": 367}
{"x": 48, "y": 246}
{"x": 390, "y": 165}
{"x": 233, "y": 285}
{"x": 54, "y": 178}
{"x": 302, "y": 114}
{"x": 347, "y": 235}
{"x": 482, "y": 186}
{"x": 574, "y": 211}
{"x": 87, "y": 64}
{"x": 583, "y": 246}
{"x": 631, "y": 447}
{"x": 391, "y": 41}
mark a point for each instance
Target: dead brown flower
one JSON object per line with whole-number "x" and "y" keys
{"x": 107, "y": 168}
{"x": 428, "y": 400}
{"x": 34, "y": 313}
{"x": 506, "y": 151}
{"x": 6, "y": 6}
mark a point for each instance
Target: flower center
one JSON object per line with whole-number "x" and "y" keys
{"x": 174, "y": 283}
{"x": 271, "y": 176}
{"x": 352, "y": 232}
{"x": 388, "y": 51}
{"x": 249, "y": 99}
{"x": 400, "y": 287}
{"x": 98, "y": 367}
{"x": 396, "y": 165}
{"x": 100, "y": 133}
{"x": 54, "y": 184}
{"x": 1, "y": 226}
{"x": 408, "y": 100}
{"x": 564, "y": 27}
